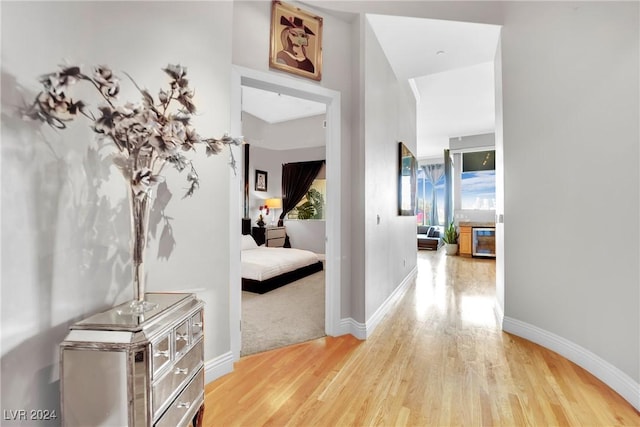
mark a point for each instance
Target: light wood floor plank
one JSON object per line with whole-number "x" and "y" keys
{"x": 437, "y": 359}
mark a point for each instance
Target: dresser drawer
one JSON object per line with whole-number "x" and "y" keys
{"x": 197, "y": 326}
{"x": 174, "y": 379}
{"x": 186, "y": 405}
{"x": 181, "y": 338}
{"x": 275, "y": 233}
{"x": 161, "y": 353}
{"x": 275, "y": 243}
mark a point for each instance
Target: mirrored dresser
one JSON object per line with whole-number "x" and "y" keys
{"x": 119, "y": 369}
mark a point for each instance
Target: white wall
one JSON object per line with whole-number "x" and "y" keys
{"x": 275, "y": 144}
{"x": 357, "y": 177}
{"x": 271, "y": 161}
{"x": 251, "y": 24}
{"x": 487, "y": 12}
{"x": 470, "y": 142}
{"x": 290, "y": 135}
{"x": 309, "y": 234}
{"x": 570, "y": 93}
{"x": 570, "y": 109}
{"x": 390, "y": 117}
{"x": 65, "y": 235}
{"x": 499, "y": 141}
{"x": 570, "y": 84}
{"x": 355, "y": 172}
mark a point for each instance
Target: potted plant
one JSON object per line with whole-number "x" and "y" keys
{"x": 450, "y": 239}
{"x": 263, "y": 210}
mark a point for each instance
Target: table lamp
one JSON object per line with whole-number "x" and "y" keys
{"x": 273, "y": 204}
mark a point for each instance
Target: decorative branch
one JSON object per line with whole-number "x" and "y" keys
{"x": 147, "y": 135}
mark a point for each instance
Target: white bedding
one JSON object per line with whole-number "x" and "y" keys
{"x": 263, "y": 263}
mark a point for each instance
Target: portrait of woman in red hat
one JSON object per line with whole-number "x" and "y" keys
{"x": 295, "y": 41}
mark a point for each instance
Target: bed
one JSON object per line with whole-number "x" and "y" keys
{"x": 265, "y": 269}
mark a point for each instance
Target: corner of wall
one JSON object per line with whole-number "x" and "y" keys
{"x": 375, "y": 319}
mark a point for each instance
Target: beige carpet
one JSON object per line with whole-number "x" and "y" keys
{"x": 288, "y": 315}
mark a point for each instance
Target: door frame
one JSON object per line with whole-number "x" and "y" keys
{"x": 242, "y": 76}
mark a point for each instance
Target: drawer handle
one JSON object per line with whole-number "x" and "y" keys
{"x": 197, "y": 324}
{"x": 185, "y": 405}
{"x": 179, "y": 371}
{"x": 181, "y": 337}
{"x": 164, "y": 353}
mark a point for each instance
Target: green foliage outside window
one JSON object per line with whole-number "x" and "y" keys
{"x": 312, "y": 206}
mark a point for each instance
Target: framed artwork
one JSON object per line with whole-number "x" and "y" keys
{"x": 407, "y": 181}
{"x": 261, "y": 180}
{"x": 296, "y": 41}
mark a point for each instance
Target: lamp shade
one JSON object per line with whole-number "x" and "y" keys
{"x": 273, "y": 203}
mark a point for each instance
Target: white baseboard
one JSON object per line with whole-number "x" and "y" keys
{"x": 353, "y": 327}
{"x": 218, "y": 367}
{"x": 384, "y": 308}
{"x": 620, "y": 382}
{"x": 364, "y": 330}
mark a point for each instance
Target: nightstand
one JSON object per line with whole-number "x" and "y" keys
{"x": 275, "y": 237}
{"x": 258, "y": 235}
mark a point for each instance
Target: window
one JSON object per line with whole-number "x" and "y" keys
{"x": 425, "y": 199}
{"x": 478, "y": 180}
{"x": 312, "y": 206}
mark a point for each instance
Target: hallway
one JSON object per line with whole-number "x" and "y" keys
{"x": 437, "y": 359}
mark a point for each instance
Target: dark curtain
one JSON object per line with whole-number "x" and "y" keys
{"x": 296, "y": 180}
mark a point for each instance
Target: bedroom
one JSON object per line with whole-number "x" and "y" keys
{"x": 281, "y": 129}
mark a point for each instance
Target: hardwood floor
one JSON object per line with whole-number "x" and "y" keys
{"x": 438, "y": 359}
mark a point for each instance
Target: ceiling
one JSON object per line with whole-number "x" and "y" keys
{"x": 449, "y": 65}
{"x": 273, "y": 107}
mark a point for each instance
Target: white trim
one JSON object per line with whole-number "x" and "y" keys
{"x": 387, "y": 305}
{"x": 415, "y": 90}
{"x": 473, "y": 149}
{"x": 353, "y": 327}
{"x": 620, "y": 382}
{"x": 218, "y": 367}
{"x": 497, "y": 311}
{"x": 242, "y": 76}
{"x": 333, "y": 243}
{"x": 364, "y": 330}
{"x": 235, "y": 215}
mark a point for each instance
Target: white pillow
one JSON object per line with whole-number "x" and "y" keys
{"x": 248, "y": 242}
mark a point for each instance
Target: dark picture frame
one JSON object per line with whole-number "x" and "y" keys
{"x": 407, "y": 181}
{"x": 261, "y": 180}
{"x": 296, "y": 41}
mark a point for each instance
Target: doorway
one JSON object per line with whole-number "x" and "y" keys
{"x": 281, "y": 129}
{"x": 292, "y": 87}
